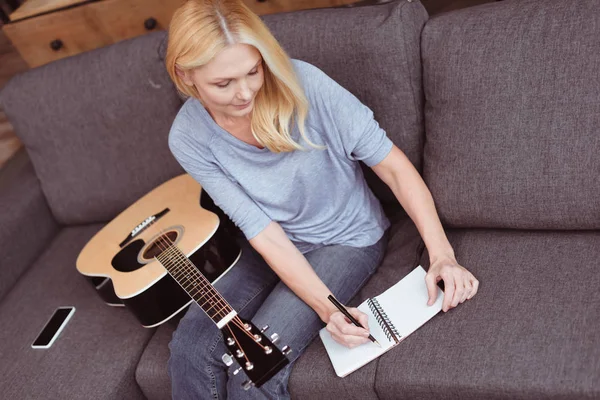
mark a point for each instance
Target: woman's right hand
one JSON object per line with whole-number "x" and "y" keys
{"x": 345, "y": 332}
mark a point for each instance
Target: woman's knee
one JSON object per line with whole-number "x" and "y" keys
{"x": 195, "y": 337}
{"x": 192, "y": 366}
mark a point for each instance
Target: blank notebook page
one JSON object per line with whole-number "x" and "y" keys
{"x": 405, "y": 304}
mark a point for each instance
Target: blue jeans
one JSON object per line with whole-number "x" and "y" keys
{"x": 255, "y": 292}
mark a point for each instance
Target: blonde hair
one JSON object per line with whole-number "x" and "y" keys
{"x": 200, "y": 29}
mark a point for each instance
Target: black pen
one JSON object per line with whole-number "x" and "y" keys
{"x": 350, "y": 317}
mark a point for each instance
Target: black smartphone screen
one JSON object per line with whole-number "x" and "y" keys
{"x": 53, "y": 327}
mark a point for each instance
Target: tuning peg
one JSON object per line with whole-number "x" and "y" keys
{"x": 230, "y": 341}
{"x": 274, "y": 338}
{"x": 286, "y": 350}
{"x": 248, "y": 327}
{"x": 237, "y": 371}
{"x": 249, "y": 366}
{"x": 227, "y": 359}
{"x": 264, "y": 328}
{"x": 239, "y": 353}
{"x": 247, "y": 385}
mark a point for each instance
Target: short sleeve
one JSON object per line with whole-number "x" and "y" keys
{"x": 359, "y": 133}
{"x": 226, "y": 194}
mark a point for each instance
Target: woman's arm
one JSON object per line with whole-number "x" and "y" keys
{"x": 400, "y": 175}
{"x": 294, "y": 270}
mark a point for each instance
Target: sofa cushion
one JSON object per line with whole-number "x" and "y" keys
{"x": 152, "y": 373}
{"x": 512, "y": 114}
{"x": 530, "y": 333}
{"x": 372, "y": 51}
{"x": 95, "y": 126}
{"x": 26, "y": 224}
{"x": 95, "y": 355}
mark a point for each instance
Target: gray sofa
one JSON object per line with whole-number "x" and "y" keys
{"x": 498, "y": 106}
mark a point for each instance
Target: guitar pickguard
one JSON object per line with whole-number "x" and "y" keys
{"x": 126, "y": 260}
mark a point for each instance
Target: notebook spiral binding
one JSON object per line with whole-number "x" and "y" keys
{"x": 382, "y": 319}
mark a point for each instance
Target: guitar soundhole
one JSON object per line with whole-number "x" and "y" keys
{"x": 160, "y": 244}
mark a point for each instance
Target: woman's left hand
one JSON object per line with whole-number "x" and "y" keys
{"x": 459, "y": 284}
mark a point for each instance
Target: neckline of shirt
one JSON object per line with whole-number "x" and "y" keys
{"x": 217, "y": 129}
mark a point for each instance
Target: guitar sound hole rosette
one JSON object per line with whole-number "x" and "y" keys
{"x": 159, "y": 243}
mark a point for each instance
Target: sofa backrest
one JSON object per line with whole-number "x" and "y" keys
{"x": 96, "y": 124}
{"x": 512, "y": 114}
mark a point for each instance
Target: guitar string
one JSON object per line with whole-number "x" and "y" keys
{"x": 238, "y": 322}
{"x": 192, "y": 267}
{"x": 205, "y": 291}
{"x": 186, "y": 275}
{"x": 210, "y": 296}
{"x": 187, "y": 269}
{"x": 182, "y": 260}
{"x": 237, "y": 342}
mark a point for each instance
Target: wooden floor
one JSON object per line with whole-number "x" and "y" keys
{"x": 11, "y": 64}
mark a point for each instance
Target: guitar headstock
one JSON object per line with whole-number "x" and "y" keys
{"x": 255, "y": 352}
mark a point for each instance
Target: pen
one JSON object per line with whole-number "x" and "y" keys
{"x": 350, "y": 317}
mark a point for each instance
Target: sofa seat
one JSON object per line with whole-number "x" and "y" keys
{"x": 313, "y": 376}
{"x": 152, "y": 372}
{"x": 95, "y": 355}
{"x": 530, "y": 333}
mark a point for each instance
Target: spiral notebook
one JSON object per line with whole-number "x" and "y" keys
{"x": 393, "y": 315}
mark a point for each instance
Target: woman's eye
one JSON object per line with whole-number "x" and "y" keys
{"x": 253, "y": 72}
{"x": 223, "y": 85}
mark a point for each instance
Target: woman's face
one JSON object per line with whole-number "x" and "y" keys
{"x": 229, "y": 83}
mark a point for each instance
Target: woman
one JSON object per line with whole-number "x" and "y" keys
{"x": 276, "y": 143}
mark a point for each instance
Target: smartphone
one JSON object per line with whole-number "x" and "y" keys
{"x": 53, "y": 327}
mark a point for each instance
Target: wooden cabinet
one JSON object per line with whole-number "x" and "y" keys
{"x": 47, "y": 30}
{"x": 86, "y": 26}
{"x": 275, "y": 6}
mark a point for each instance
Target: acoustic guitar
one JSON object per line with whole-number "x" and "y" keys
{"x": 166, "y": 251}
{"x": 120, "y": 258}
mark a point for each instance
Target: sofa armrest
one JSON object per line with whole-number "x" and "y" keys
{"x": 26, "y": 223}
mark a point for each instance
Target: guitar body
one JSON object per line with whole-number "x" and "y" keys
{"x": 124, "y": 251}
{"x": 164, "y": 252}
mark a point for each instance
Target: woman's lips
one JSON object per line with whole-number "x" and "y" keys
{"x": 240, "y": 107}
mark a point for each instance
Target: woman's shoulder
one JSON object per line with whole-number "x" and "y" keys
{"x": 318, "y": 86}
{"x": 186, "y": 129}
{"x": 310, "y": 76}
{"x": 304, "y": 68}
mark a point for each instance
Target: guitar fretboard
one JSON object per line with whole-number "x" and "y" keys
{"x": 194, "y": 283}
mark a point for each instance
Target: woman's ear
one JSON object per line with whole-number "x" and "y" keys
{"x": 184, "y": 76}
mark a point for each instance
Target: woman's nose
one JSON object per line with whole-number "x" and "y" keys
{"x": 244, "y": 92}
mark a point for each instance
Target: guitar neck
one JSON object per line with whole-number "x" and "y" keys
{"x": 195, "y": 284}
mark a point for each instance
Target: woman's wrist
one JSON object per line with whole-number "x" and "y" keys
{"x": 325, "y": 309}
{"x": 440, "y": 250}
{"x": 445, "y": 255}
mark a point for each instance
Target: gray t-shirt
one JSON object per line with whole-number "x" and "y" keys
{"x": 319, "y": 197}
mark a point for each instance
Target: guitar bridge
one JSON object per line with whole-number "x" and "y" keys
{"x": 143, "y": 226}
